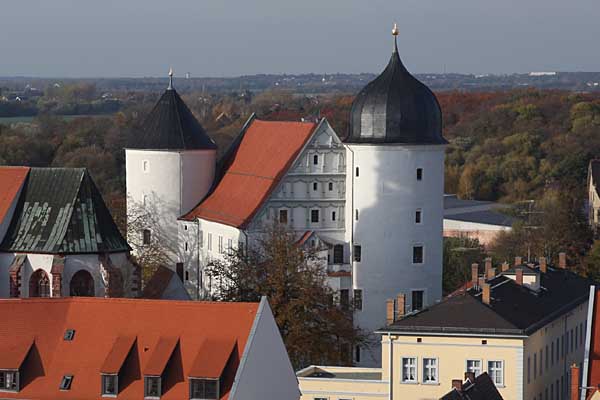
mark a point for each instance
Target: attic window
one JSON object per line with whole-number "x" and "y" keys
{"x": 9, "y": 381}
{"x": 65, "y": 384}
{"x": 152, "y": 387}
{"x": 110, "y": 385}
{"x": 204, "y": 389}
{"x": 69, "y": 334}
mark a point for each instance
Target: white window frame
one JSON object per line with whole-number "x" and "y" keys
{"x": 424, "y": 367}
{"x": 489, "y": 371}
{"x": 16, "y": 377}
{"x": 416, "y": 370}
{"x": 146, "y": 377}
{"x": 220, "y": 244}
{"x": 204, "y": 379}
{"x": 209, "y": 240}
{"x": 103, "y": 386}
{"x": 480, "y": 365}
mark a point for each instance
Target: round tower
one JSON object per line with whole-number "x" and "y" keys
{"x": 395, "y": 153}
{"x": 170, "y": 167}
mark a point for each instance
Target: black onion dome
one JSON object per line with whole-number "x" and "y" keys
{"x": 172, "y": 126}
{"x": 396, "y": 108}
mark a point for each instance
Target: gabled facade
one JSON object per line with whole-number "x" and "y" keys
{"x": 79, "y": 348}
{"x": 57, "y": 238}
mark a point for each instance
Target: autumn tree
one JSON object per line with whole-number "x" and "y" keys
{"x": 314, "y": 327}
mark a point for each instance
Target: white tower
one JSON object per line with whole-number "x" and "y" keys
{"x": 395, "y": 167}
{"x": 169, "y": 168}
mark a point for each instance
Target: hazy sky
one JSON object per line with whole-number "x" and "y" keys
{"x": 93, "y": 38}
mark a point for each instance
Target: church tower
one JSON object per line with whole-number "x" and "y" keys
{"x": 169, "y": 168}
{"x": 394, "y": 217}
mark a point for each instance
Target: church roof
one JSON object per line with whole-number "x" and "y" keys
{"x": 256, "y": 163}
{"x": 172, "y": 126}
{"x": 61, "y": 211}
{"x": 395, "y": 108}
{"x": 126, "y": 336}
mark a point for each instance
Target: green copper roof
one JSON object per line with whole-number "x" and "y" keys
{"x": 60, "y": 210}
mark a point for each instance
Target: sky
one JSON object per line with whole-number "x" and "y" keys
{"x": 222, "y": 38}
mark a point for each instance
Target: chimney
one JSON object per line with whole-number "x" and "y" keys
{"x": 470, "y": 376}
{"x": 562, "y": 260}
{"x": 518, "y": 261}
{"x": 505, "y": 266}
{"x": 519, "y": 276}
{"x": 457, "y": 384}
{"x": 474, "y": 274}
{"x": 488, "y": 265}
{"x": 481, "y": 282}
{"x": 543, "y": 265}
{"x": 491, "y": 273}
{"x": 575, "y": 378}
{"x": 485, "y": 293}
{"x": 400, "y": 305}
{"x": 389, "y": 305}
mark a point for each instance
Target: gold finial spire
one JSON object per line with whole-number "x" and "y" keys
{"x": 170, "y": 78}
{"x": 395, "y": 30}
{"x": 395, "y": 34}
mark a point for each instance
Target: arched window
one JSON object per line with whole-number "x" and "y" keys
{"x": 82, "y": 284}
{"x": 39, "y": 284}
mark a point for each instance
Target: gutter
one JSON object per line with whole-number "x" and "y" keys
{"x": 588, "y": 341}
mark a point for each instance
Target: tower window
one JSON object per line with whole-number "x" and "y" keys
{"x": 315, "y": 186}
{"x": 330, "y": 186}
{"x": 357, "y": 172}
{"x": 356, "y": 214}
{"x": 283, "y": 216}
{"x": 358, "y": 300}
{"x": 316, "y": 159}
{"x": 419, "y": 174}
{"x": 417, "y": 254}
{"x": 418, "y": 216}
{"x": 417, "y": 300}
{"x": 338, "y": 254}
{"x": 314, "y": 216}
{"x": 146, "y": 236}
{"x": 357, "y": 253}
{"x": 146, "y": 166}
{"x": 333, "y": 215}
{"x": 201, "y": 239}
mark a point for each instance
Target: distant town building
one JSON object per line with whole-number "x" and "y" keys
{"x": 78, "y": 348}
{"x": 593, "y": 200}
{"x": 481, "y": 220}
{"x": 57, "y": 238}
{"x": 524, "y": 326}
{"x": 373, "y": 197}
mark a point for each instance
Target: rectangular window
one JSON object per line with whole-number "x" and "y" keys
{"x": 409, "y": 369}
{"x": 528, "y": 370}
{"x": 474, "y": 366}
{"x": 146, "y": 236}
{"x": 417, "y": 254}
{"x": 201, "y": 239}
{"x": 333, "y": 215}
{"x": 338, "y": 254}
{"x": 220, "y": 244}
{"x": 344, "y": 299}
{"x": 316, "y": 159}
{"x": 283, "y": 216}
{"x": 145, "y": 165}
{"x": 582, "y": 336}
{"x": 358, "y": 299}
{"x": 546, "y": 358}
{"x": 534, "y": 366}
{"x": 417, "y": 300}
{"x": 357, "y": 253}
{"x": 356, "y": 214}
{"x": 179, "y": 270}
{"x": 65, "y": 383}
{"x": 357, "y": 354}
{"x": 315, "y": 186}
{"x": 330, "y": 186}
{"x": 109, "y": 385}
{"x": 229, "y": 245}
{"x": 430, "y": 370}
{"x": 552, "y": 353}
{"x": 571, "y": 341}
{"x": 418, "y": 216}
{"x": 541, "y": 363}
{"x": 496, "y": 372}
{"x": 152, "y": 387}
{"x": 209, "y": 241}
{"x": 419, "y": 174}
{"x": 9, "y": 381}
{"x": 357, "y": 172}
{"x": 314, "y": 216}
{"x": 204, "y": 389}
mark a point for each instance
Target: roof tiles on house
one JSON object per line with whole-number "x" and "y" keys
{"x": 264, "y": 153}
{"x": 134, "y": 337}
{"x": 11, "y": 181}
{"x": 61, "y": 211}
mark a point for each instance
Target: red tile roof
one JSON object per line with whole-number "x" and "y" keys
{"x": 11, "y": 180}
{"x": 264, "y": 154}
{"x": 218, "y": 351}
{"x": 118, "y": 353}
{"x": 100, "y": 326}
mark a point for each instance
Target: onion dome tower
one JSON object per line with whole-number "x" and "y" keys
{"x": 170, "y": 166}
{"x": 394, "y": 212}
{"x": 396, "y": 108}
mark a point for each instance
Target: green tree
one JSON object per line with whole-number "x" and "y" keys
{"x": 459, "y": 254}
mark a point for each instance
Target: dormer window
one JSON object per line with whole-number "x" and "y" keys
{"x": 65, "y": 383}
{"x": 152, "y": 387}
{"x": 9, "y": 381}
{"x": 204, "y": 389}
{"x": 110, "y": 385}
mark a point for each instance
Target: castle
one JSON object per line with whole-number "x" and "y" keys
{"x": 373, "y": 198}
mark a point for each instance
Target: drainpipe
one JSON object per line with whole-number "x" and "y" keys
{"x": 391, "y": 368}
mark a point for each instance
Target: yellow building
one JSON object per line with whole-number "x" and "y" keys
{"x": 524, "y": 327}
